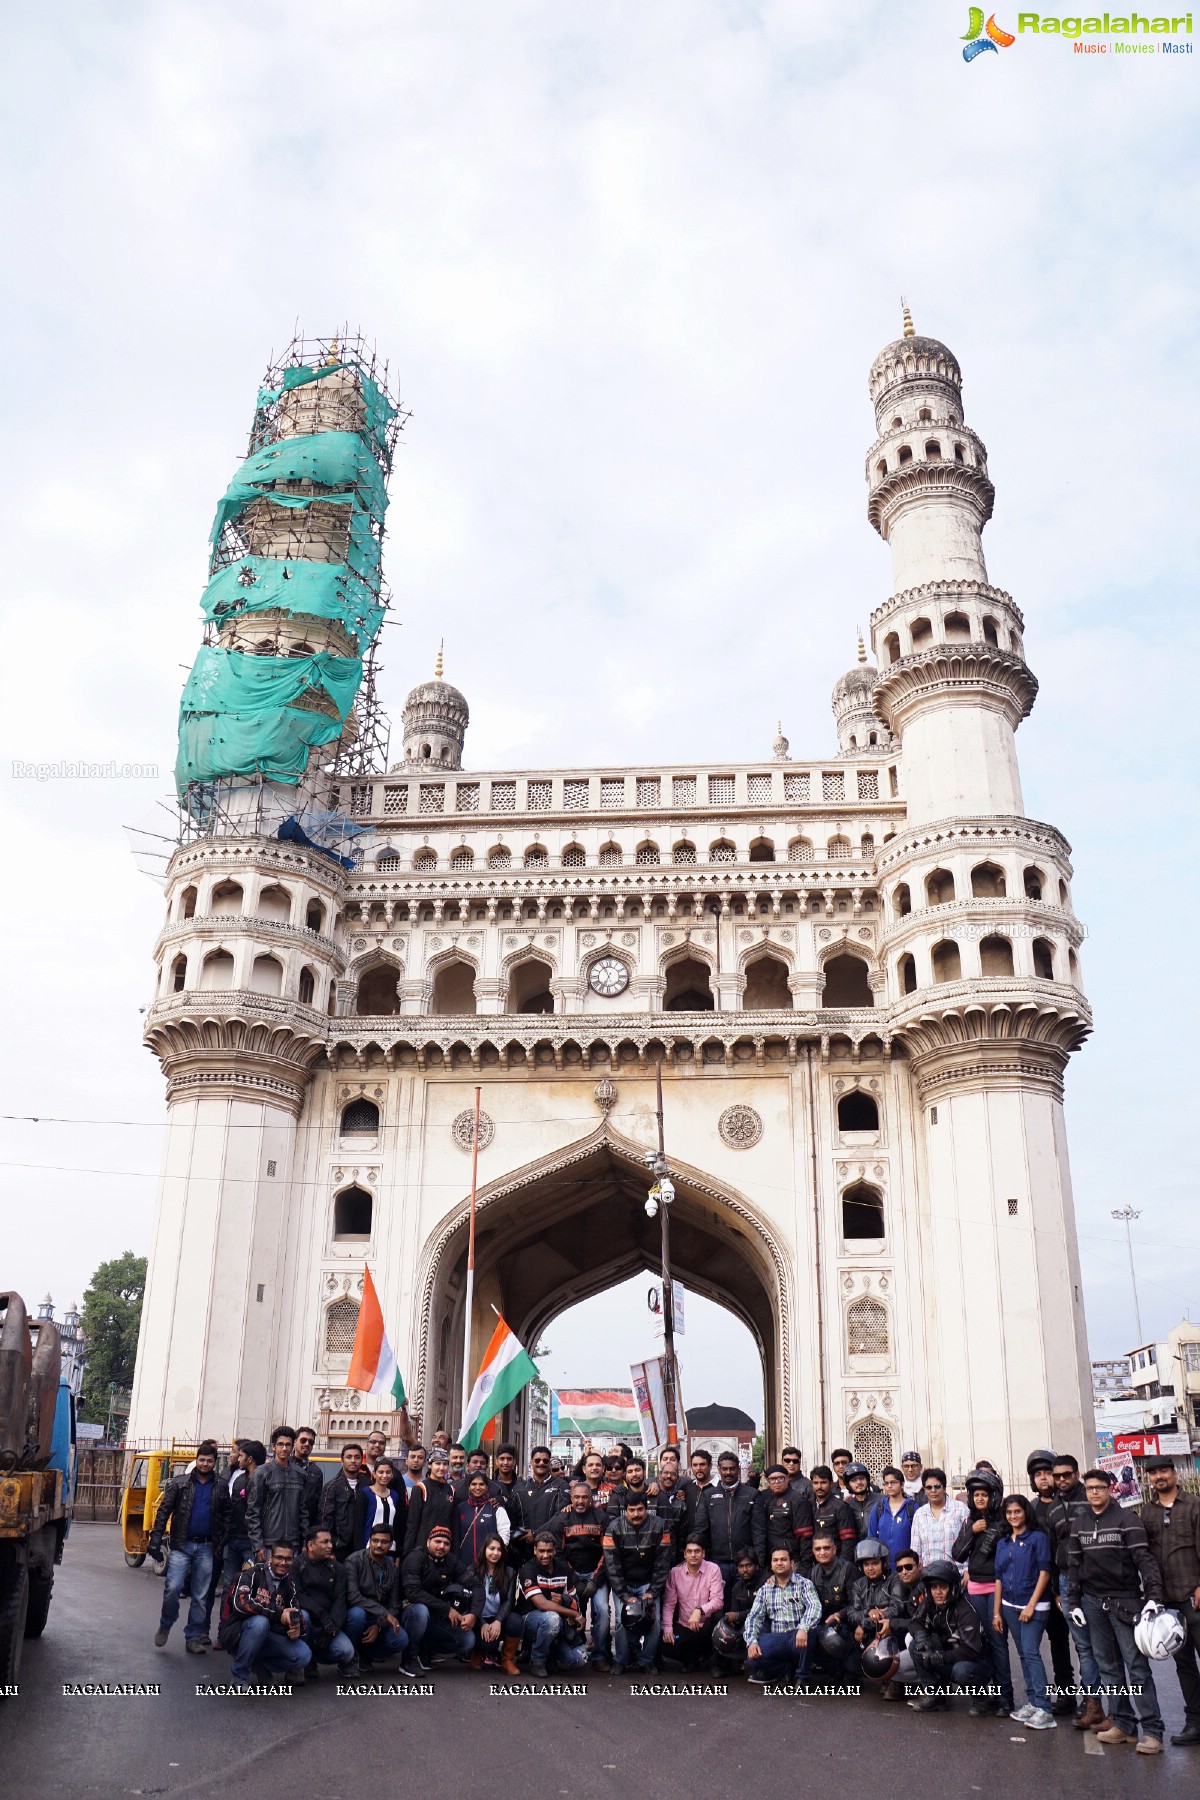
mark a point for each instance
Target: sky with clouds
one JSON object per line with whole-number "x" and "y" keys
{"x": 631, "y": 265}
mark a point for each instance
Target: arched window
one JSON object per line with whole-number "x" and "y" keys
{"x": 341, "y": 1326}
{"x": 939, "y": 888}
{"x": 1064, "y": 898}
{"x": 314, "y": 915}
{"x": 866, "y": 844}
{"x": 499, "y": 857}
{"x": 537, "y": 857}
{"x": 762, "y": 850}
{"x": 960, "y": 455}
{"x": 226, "y": 899}
{"x": 454, "y": 988}
{"x": 688, "y": 987}
{"x": 867, "y": 1331}
{"x": 1073, "y": 966}
{"x": 933, "y": 451}
{"x": 360, "y": 1119}
{"x": 956, "y": 627}
{"x": 846, "y": 982}
{"x": 906, "y": 969}
{"x": 274, "y": 903}
{"x": 307, "y": 986}
{"x": 377, "y": 995}
{"x": 857, "y": 1111}
{"x": 1034, "y": 882}
{"x": 424, "y": 861}
{"x": 800, "y": 850}
{"x": 216, "y": 971}
{"x": 767, "y": 986}
{"x": 574, "y": 856}
{"x": 995, "y": 956}
{"x": 862, "y": 1212}
{"x": 902, "y": 900}
{"x": 610, "y": 856}
{"x": 187, "y": 903}
{"x": 897, "y": 423}
{"x": 722, "y": 851}
{"x": 891, "y": 647}
{"x": 881, "y": 468}
{"x": 904, "y": 455}
{"x": 871, "y": 1442}
{"x": 179, "y": 974}
{"x": 838, "y": 849}
{"x": 991, "y": 634}
{"x": 529, "y": 987}
{"x": 946, "y": 961}
{"x": 462, "y": 858}
{"x": 1043, "y": 959}
{"x": 684, "y": 853}
{"x": 924, "y": 417}
{"x": 987, "y": 881}
{"x": 648, "y": 854}
{"x": 920, "y": 633}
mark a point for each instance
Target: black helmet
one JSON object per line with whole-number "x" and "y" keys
{"x": 989, "y": 1481}
{"x": 942, "y": 1570}
{"x": 1039, "y": 1459}
{"x": 871, "y": 1550}
{"x": 832, "y": 1644}
{"x": 855, "y": 1468}
{"x": 879, "y": 1660}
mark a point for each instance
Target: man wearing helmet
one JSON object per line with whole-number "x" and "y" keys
{"x": 975, "y": 1546}
{"x": 1112, "y": 1580}
{"x": 861, "y": 1494}
{"x": 875, "y": 1596}
{"x": 946, "y": 1641}
{"x": 1172, "y": 1521}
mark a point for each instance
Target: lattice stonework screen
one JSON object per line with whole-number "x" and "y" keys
{"x": 867, "y": 1328}
{"x": 341, "y": 1323}
{"x": 872, "y": 1444}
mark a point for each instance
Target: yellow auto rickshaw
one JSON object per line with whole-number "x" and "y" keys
{"x": 147, "y": 1475}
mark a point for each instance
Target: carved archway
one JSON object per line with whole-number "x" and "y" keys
{"x": 573, "y": 1224}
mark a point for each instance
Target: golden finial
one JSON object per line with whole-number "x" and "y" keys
{"x": 331, "y": 361}
{"x": 437, "y": 667}
{"x": 862, "y": 649}
{"x": 909, "y": 329}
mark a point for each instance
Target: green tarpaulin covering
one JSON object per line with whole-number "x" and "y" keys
{"x": 238, "y": 714}
{"x": 322, "y": 590}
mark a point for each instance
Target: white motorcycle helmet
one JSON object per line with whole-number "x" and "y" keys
{"x": 1159, "y": 1633}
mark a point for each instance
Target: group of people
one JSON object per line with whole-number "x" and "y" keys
{"x": 904, "y": 1588}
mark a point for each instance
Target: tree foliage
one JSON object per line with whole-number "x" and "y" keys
{"x": 112, "y": 1312}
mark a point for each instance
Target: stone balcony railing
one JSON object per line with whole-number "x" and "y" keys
{"x": 218, "y": 925}
{"x": 956, "y": 917}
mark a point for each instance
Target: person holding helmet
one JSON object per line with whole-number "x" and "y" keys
{"x": 1112, "y": 1582}
{"x": 874, "y": 1597}
{"x": 729, "y": 1642}
{"x": 975, "y": 1546}
{"x": 946, "y": 1641}
{"x": 1021, "y": 1603}
{"x": 1040, "y": 1467}
{"x": 833, "y": 1579}
{"x": 1172, "y": 1521}
{"x": 861, "y": 1494}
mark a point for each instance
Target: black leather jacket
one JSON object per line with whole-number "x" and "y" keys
{"x": 730, "y": 1521}
{"x": 833, "y": 1582}
{"x": 277, "y": 1506}
{"x": 321, "y": 1591}
{"x": 176, "y": 1505}
{"x": 634, "y": 1554}
{"x": 868, "y": 1596}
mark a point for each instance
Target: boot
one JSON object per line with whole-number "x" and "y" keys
{"x": 477, "y": 1659}
{"x": 1092, "y": 1715}
{"x": 508, "y": 1661}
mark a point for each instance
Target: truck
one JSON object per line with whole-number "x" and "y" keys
{"x": 37, "y": 1475}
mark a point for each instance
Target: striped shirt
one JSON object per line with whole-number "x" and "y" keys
{"x": 933, "y": 1538}
{"x": 785, "y": 1608}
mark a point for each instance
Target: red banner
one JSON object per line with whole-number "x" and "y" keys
{"x": 1138, "y": 1443}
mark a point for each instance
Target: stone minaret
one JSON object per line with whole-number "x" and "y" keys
{"x": 981, "y": 938}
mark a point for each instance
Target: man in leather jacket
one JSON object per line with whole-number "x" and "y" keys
{"x": 277, "y": 1499}
{"x": 579, "y": 1535}
{"x": 730, "y": 1519}
{"x": 261, "y": 1621}
{"x": 875, "y": 1593}
{"x": 637, "y": 1558}
{"x": 322, "y": 1596}
{"x": 189, "y": 1503}
{"x": 787, "y": 1518}
{"x": 375, "y": 1600}
{"x": 343, "y": 1503}
{"x": 1111, "y": 1576}
{"x": 441, "y": 1604}
{"x": 946, "y": 1639}
{"x": 830, "y": 1512}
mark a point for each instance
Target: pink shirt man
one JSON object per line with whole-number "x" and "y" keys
{"x": 692, "y": 1585}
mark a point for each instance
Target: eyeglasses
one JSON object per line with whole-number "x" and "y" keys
{"x": 1064, "y": 1474}
{"x": 934, "y": 1487}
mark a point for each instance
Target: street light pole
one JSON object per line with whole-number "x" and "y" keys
{"x": 1126, "y": 1215}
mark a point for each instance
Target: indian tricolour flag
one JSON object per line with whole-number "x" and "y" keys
{"x": 373, "y": 1367}
{"x": 504, "y": 1371}
{"x": 609, "y": 1410}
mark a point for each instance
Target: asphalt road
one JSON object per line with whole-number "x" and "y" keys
{"x": 462, "y": 1740}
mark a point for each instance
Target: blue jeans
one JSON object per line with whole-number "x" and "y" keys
{"x": 782, "y": 1658}
{"x": 237, "y": 1552}
{"x": 1028, "y": 1639}
{"x": 388, "y": 1643}
{"x": 975, "y": 1672}
{"x": 196, "y": 1560}
{"x": 259, "y": 1644}
{"x": 542, "y": 1631}
{"x": 650, "y": 1633}
{"x": 601, "y": 1625}
{"x": 339, "y": 1649}
{"x": 996, "y": 1647}
{"x": 1129, "y": 1698}
{"x": 1089, "y": 1670}
{"x": 433, "y": 1636}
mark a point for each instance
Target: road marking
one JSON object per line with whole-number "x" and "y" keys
{"x": 1092, "y": 1745}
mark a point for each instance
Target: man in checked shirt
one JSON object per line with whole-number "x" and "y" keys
{"x": 784, "y": 1610}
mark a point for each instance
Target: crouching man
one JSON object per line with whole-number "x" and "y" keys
{"x": 321, "y": 1593}
{"x": 946, "y": 1640}
{"x": 783, "y": 1613}
{"x": 550, "y": 1620}
{"x": 261, "y": 1621}
{"x": 373, "y": 1590}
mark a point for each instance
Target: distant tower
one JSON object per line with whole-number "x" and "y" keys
{"x": 434, "y": 723}
{"x": 980, "y": 942}
{"x": 858, "y": 727}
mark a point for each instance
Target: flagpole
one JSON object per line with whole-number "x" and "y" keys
{"x": 549, "y": 1389}
{"x": 470, "y": 1300}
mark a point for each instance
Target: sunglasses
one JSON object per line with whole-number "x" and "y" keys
{"x": 906, "y": 1566}
{"x": 934, "y": 1487}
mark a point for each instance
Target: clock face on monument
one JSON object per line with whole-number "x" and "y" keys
{"x": 608, "y": 976}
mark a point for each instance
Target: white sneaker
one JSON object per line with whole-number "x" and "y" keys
{"x": 1041, "y": 1720}
{"x": 1023, "y": 1714}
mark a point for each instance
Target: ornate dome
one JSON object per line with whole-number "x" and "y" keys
{"x": 912, "y": 358}
{"x": 442, "y": 696}
{"x": 434, "y": 722}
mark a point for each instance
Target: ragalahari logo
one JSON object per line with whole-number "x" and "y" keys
{"x": 975, "y": 42}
